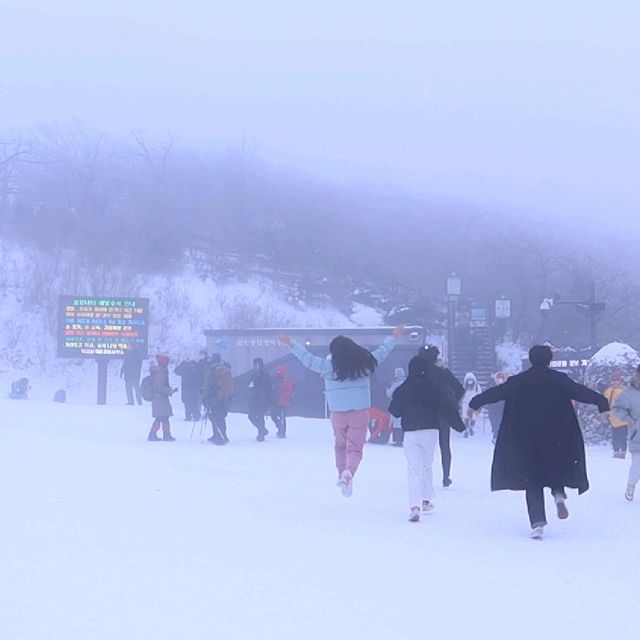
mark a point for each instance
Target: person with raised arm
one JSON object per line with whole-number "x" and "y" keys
{"x": 347, "y": 379}
{"x": 540, "y": 443}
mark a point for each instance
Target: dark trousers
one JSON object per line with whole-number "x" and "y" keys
{"x": 192, "y": 408}
{"x": 620, "y": 438}
{"x": 398, "y": 436}
{"x": 279, "y": 417}
{"x": 445, "y": 451}
{"x": 218, "y": 416}
{"x": 535, "y": 504}
{"x": 256, "y": 416}
{"x": 132, "y": 386}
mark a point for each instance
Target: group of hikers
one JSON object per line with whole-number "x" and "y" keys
{"x": 538, "y": 441}
{"x": 207, "y": 388}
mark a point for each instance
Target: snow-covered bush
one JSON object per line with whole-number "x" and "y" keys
{"x": 612, "y": 357}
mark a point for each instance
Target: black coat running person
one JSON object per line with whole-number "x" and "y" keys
{"x": 540, "y": 443}
{"x": 431, "y": 354}
{"x": 191, "y": 375}
{"x": 131, "y": 370}
{"x": 260, "y": 398}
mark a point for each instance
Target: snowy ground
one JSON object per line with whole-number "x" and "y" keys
{"x": 107, "y": 536}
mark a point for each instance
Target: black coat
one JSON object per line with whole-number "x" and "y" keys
{"x": 454, "y": 383}
{"x": 540, "y": 442}
{"x": 426, "y": 400}
{"x": 191, "y": 375}
{"x": 132, "y": 365}
{"x": 261, "y": 392}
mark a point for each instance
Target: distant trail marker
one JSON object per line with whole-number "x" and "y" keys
{"x": 102, "y": 328}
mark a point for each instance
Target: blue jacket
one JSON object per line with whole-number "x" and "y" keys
{"x": 345, "y": 395}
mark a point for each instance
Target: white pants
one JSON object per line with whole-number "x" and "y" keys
{"x": 418, "y": 448}
{"x": 634, "y": 471}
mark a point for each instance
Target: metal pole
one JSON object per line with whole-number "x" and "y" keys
{"x": 593, "y": 317}
{"x": 451, "y": 311}
{"x": 102, "y": 380}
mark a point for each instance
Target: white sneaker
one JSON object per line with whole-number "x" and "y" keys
{"x": 629, "y": 492}
{"x": 427, "y": 506}
{"x": 346, "y": 483}
{"x": 537, "y": 533}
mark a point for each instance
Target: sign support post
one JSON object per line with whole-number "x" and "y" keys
{"x": 102, "y": 380}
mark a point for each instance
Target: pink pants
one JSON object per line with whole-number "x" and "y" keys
{"x": 350, "y": 430}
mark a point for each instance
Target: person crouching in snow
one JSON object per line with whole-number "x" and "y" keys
{"x": 379, "y": 426}
{"x": 160, "y": 403}
{"x": 423, "y": 402}
{"x": 347, "y": 384}
{"x": 626, "y": 408}
{"x": 471, "y": 389}
{"x": 540, "y": 443}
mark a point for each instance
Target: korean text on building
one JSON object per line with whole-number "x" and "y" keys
{"x": 90, "y": 327}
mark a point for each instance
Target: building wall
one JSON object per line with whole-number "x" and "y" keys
{"x": 240, "y": 347}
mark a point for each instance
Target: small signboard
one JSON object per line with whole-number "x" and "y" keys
{"x": 478, "y": 317}
{"x": 503, "y": 309}
{"x": 90, "y": 327}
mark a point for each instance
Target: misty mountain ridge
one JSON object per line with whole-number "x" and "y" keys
{"x": 125, "y": 211}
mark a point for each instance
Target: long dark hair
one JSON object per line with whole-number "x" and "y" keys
{"x": 350, "y": 360}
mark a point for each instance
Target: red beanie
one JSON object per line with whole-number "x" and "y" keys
{"x": 162, "y": 360}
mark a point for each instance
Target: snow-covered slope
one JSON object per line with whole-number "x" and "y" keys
{"x": 106, "y": 536}
{"x": 182, "y": 306}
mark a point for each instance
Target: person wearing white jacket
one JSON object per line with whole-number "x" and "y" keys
{"x": 471, "y": 389}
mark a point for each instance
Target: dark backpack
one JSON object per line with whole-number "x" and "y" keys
{"x": 146, "y": 388}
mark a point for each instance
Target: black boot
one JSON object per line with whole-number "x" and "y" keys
{"x": 153, "y": 437}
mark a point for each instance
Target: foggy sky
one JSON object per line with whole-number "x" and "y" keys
{"x": 524, "y": 109}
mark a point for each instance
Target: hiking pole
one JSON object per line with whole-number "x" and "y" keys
{"x": 205, "y": 419}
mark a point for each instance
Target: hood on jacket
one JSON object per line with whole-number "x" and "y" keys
{"x": 417, "y": 367}
{"x": 163, "y": 360}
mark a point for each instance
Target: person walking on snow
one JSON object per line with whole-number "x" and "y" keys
{"x": 260, "y": 398}
{"x": 496, "y": 410}
{"x": 423, "y": 402}
{"x": 540, "y": 443}
{"x": 619, "y": 428}
{"x": 190, "y": 374}
{"x": 347, "y": 384}
{"x": 431, "y": 355}
{"x": 284, "y": 398}
{"x": 626, "y": 408}
{"x": 399, "y": 377}
{"x": 160, "y": 403}
{"x": 130, "y": 371}
{"x": 471, "y": 389}
{"x": 217, "y": 391}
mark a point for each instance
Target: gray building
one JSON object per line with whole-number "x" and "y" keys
{"x": 240, "y": 346}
